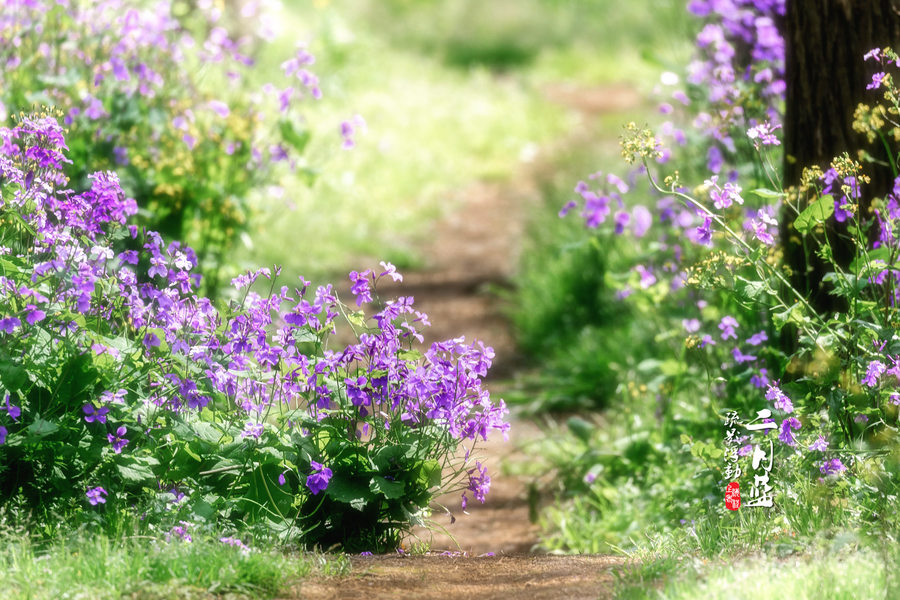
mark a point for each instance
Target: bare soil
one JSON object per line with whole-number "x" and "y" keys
{"x": 492, "y": 551}
{"x": 536, "y": 577}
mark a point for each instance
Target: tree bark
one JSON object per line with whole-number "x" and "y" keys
{"x": 826, "y": 80}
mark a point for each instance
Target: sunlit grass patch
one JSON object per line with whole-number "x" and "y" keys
{"x": 99, "y": 567}
{"x": 853, "y": 575}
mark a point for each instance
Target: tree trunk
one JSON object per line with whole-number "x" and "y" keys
{"x": 826, "y": 80}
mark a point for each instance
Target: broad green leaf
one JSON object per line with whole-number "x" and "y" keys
{"x": 752, "y": 290}
{"x": 388, "y": 489}
{"x": 42, "y": 428}
{"x": 136, "y": 473}
{"x": 794, "y": 314}
{"x": 430, "y": 474}
{"x": 207, "y": 432}
{"x": 817, "y": 212}
{"x": 350, "y": 491}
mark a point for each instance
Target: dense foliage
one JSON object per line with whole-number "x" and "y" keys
{"x": 163, "y": 93}
{"x": 729, "y": 334}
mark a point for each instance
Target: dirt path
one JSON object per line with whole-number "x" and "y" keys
{"x": 489, "y": 552}
{"x": 491, "y": 578}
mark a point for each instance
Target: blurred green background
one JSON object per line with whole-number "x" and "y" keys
{"x": 453, "y": 92}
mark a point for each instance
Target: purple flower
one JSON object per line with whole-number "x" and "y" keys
{"x": 786, "y": 436}
{"x": 10, "y": 324}
{"x": 12, "y": 410}
{"x": 820, "y": 445}
{"x": 92, "y": 414}
{"x": 234, "y": 543}
{"x": 479, "y": 482}
{"x": 218, "y": 107}
{"x": 319, "y": 478}
{"x": 567, "y": 208}
{"x": 704, "y": 233}
{"x": 253, "y": 430}
{"x": 830, "y": 467}
{"x": 391, "y": 271}
{"x": 349, "y": 128}
{"x": 745, "y": 450}
{"x": 647, "y": 276}
{"x": 691, "y": 325}
{"x": 874, "y": 54}
{"x": 761, "y": 232}
{"x": 34, "y": 314}
{"x": 360, "y": 288}
{"x": 762, "y": 135}
{"x": 728, "y": 324}
{"x": 281, "y": 479}
{"x": 109, "y": 397}
{"x": 641, "y": 220}
{"x": 740, "y": 357}
{"x": 877, "y": 78}
{"x": 180, "y": 532}
{"x": 3, "y": 434}
{"x": 118, "y": 441}
{"x": 151, "y": 340}
{"x": 96, "y": 496}
{"x": 621, "y": 220}
{"x": 761, "y": 379}
{"x": 874, "y": 372}
{"x": 723, "y": 198}
{"x": 758, "y": 338}
{"x": 779, "y": 399}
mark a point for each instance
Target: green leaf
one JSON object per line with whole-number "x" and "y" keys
{"x": 767, "y": 194}
{"x": 430, "y": 474}
{"x": 290, "y": 134}
{"x": 752, "y": 290}
{"x": 794, "y": 314}
{"x": 350, "y": 491}
{"x": 582, "y": 429}
{"x": 817, "y": 212}
{"x": 410, "y": 355}
{"x": 41, "y": 428}
{"x": 191, "y": 452}
{"x": 388, "y": 489}
{"x": 136, "y": 473}
{"x": 208, "y": 432}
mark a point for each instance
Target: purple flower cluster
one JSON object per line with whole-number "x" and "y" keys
{"x": 248, "y": 358}
{"x": 599, "y": 204}
{"x": 739, "y": 45}
{"x": 479, "y": 484}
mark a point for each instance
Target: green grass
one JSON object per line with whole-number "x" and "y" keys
{"x": 851, "y": 573}
{"x": 139, "y": 567}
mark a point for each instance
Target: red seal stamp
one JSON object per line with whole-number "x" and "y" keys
{"x": 733, "y": 496}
